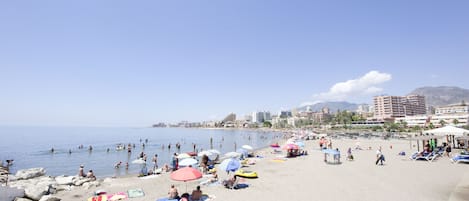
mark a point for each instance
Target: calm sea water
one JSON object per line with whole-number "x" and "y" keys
{"x": 30, "y": 146}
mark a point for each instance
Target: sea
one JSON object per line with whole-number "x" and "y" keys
{"x": 30, "y": 147}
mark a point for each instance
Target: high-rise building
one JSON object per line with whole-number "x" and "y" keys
{"x": 260, "y": 117}
{"x": 388, "y": 107}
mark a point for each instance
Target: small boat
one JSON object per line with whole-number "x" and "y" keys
{"x": 120, "y": 147}
{"x": 246, "y": 174}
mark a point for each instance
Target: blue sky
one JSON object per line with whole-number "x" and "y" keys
{"x": 133, "y": 63}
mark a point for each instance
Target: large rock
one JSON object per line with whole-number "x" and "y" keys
{"x": 36, "y": 193}
{"x": 9, "y": 194}
{"x": 30, "y": 173}
{"x": 43, "y": 181}
{"x": 49, "y": 198}
{"x": 22, "y": 199}
{"x": 64, "y": 180}
{"x": 91, "y": 184}
{"x": 63, "y": 188}
{"x": 81, "y": 181}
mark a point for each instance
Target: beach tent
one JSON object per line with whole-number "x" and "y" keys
{"x": 448, "y": 130}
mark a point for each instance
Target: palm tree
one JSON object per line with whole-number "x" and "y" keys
{"x": 455, "y": 122}
{"x": 442, "y": 123}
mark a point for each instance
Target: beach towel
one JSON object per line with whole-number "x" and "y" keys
{"x": 117, "y": 196}
{"x": 98, "y": 198}
{"x": 135, "y": 193}
{"x": 166, "y": 199}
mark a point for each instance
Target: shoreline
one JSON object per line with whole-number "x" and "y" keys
{"x": 356, "y": 180}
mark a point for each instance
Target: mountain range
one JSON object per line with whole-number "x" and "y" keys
{"x": 434, "y": 96}
{"x": 443, "y": 95}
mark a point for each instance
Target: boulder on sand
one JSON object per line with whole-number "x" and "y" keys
{"x": 9, "y": 194}
{"x": 30, "y": 173}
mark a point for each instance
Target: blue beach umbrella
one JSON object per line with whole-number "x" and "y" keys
{"x": 230, "y": 165}
{"x": 300, "y": 144}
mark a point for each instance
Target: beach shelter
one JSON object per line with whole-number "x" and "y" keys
{"x": 210, "y": 155}
{"x": 448, "y": 130}
{"x": 186, "y": 174}
{"x": 188, "y": 162}
{"x": 229, "y": 165}
{"x": 183, "y": 156}
{"x": 247, "y": 147}
{"x": 232, "y": 154}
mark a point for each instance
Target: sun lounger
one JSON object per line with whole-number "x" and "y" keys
{"x": 460, "y": 158}
{"x": 428, "y": 157}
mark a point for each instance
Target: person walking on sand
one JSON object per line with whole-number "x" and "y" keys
{"x": 379, "y": 157}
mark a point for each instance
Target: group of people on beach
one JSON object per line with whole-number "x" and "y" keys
{"x": 90, "y": 174}
{"x": 194, "y": 196}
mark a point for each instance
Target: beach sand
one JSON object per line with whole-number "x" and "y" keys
{"x": 309, "y": 178}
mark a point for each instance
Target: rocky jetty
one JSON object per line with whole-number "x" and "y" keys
{"x": 34, "y": 184}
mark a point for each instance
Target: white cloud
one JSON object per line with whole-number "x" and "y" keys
{"x": 364, "y": 86}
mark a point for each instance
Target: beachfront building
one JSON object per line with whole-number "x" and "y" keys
{"x": 390, "y": 107}
{"x": 260, "y": 117}
{"x": 452, "y": 109}
{"x": 412, "y": 121}
{"x": 456, "y": 115}
{"x": 454, "y": 119}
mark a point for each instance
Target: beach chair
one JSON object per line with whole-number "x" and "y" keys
{"x": 428, "y": 156}
{"x": 460, "y": 158}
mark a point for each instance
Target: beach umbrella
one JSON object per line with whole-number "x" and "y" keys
{"x": 233, "y": 154}
{"x": 290, "y": 147}
{"x": 139, "y": 161}
{"x": 214, "y": 151}
{"x": 188, "y": 162}
{"x": 202, "y": 153}
{"x": 183, "y": 156}
{"x": 230, "y": 165}
{"x": 242, "y": 152}
{"x": 186, "y": 174}
{"x": 247, "y": 147}
{"x": 211, "y": 155}
{"x": 300, "y": 144}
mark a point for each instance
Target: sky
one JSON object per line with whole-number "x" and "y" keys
{"x": 135, "y": 63}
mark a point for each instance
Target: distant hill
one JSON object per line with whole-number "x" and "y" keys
{"x": 440, "y": 96}
{"x": 333, "y": 106}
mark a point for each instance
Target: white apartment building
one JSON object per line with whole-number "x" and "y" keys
{"x": 452, "y": 109}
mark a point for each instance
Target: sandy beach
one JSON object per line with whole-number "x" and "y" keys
{"x": 309, "y": 178}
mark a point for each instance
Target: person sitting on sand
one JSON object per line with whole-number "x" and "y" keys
{"x": 185, "y": 197}
{"x": 196, "y": 194}
{"x": 173, "y": 192}
{"x": 81, "y": 171}
{"x": 91, "y": 175}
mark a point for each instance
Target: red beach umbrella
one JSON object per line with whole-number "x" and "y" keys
{"x": 291, "y": 147}
{"x": 186, "y": 174}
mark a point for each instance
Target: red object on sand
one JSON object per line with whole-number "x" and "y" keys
{"x": 291, "y": 147}
{"x": 186, "y": 174}
{"x": 274, "y": 145}
{"x": 192, "y": 153}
